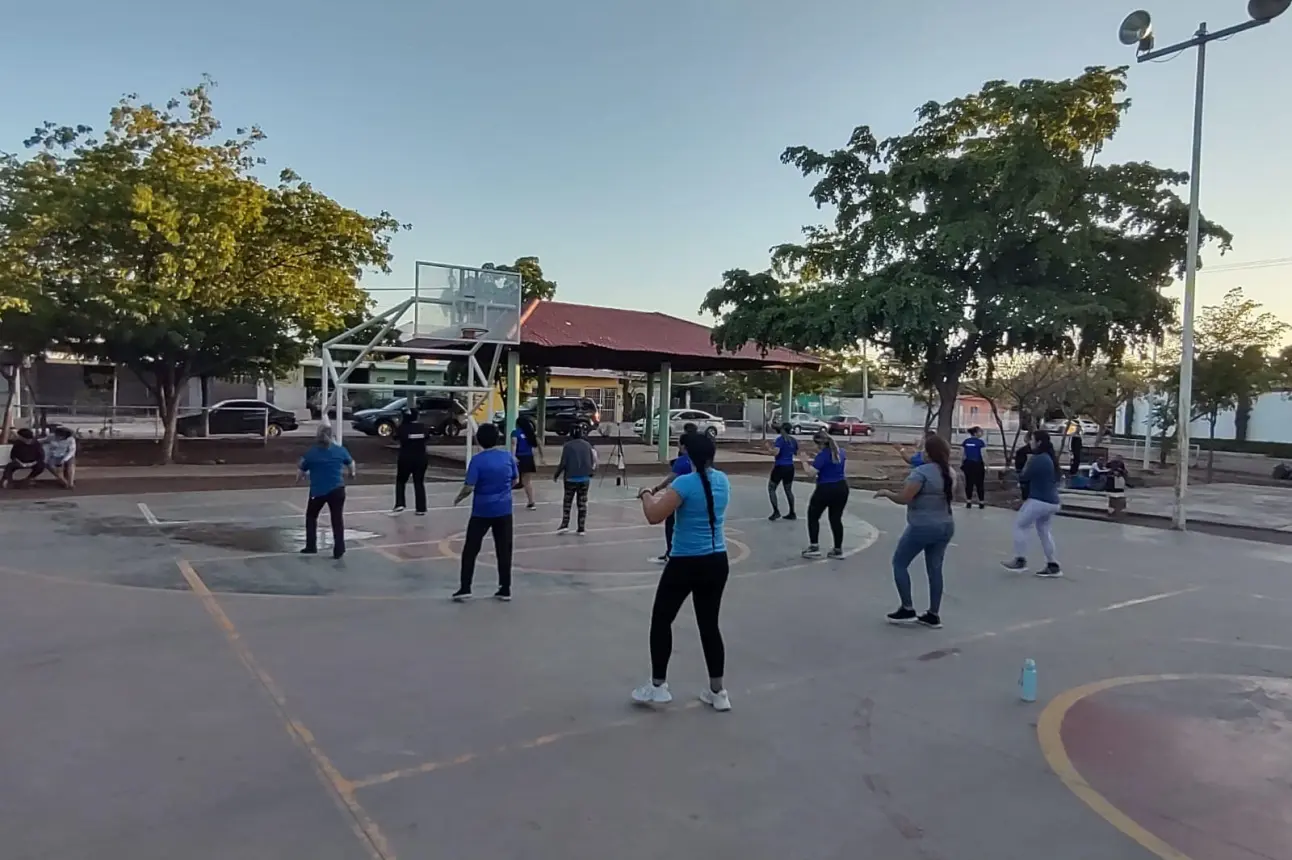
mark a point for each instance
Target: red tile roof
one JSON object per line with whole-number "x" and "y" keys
{"x": 564, "y": 326}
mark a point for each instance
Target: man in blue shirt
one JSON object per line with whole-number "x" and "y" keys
{"x": 324, "y": 463}
{"x": 490, "y": 477}
{"x": 787, "y": 449}
{"x": 975, "y": 468}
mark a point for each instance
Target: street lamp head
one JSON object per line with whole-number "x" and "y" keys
{"x": 1137, "y": 29}
{"x": 1264, "y": 10}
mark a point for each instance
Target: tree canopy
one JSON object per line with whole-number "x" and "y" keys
{"x": 156, "y": 246}
{"x": 990, "y": 229}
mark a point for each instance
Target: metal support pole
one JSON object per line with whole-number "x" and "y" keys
{"x": 1180, "y": 517}
{"x": 665, "y": 401}
{"x": 513, "y": 390}
{"x": 787, "y": 395}
{"x": 865, "y": 383}
{"x": 541, "y": 406}
{"x": 1148, "y": 417}
{"x": 647, "y": 425}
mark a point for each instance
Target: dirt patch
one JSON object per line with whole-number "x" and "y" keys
{"x": 222, "y": 451}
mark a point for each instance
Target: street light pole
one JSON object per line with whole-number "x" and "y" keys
{"x": 1137, "y": 30}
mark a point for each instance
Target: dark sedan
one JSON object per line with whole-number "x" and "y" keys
{"x": 239, "y": 418}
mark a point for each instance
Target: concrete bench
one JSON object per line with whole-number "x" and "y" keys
{"x": 1111, "y": 501}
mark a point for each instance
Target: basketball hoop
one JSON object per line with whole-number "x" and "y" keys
{"x": 471, "y": 332}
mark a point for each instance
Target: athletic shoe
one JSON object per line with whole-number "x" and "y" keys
{"x": 309, "y": 551}
{"x": 1051, "y": 571}
{"x": 776, "y": 515}
{"x": 649, "y": 694}
{"x": 834, "y": 553}
{"x": 968, "y": 506}
{"x": 982, "y": 506}
{"x": 791, "y": 516}
{"x": 337, "y": 554}
{"x": 419, "y": 513}
{"x": 661, "y": 559}
{"x": 503, "y": 594}
{"x": 397, "y": 509}
{"x": 1017, "y": 564}
{"x": 562, "y": 528}
{"x": 530, "y": 506}
{"x": 813, "y": 551}
{"x": 582, "y": 532}
{"x": 462, "y": 595}
{"x": 930, "y": 619}
{"x": 902, "y": 616}
{"x": 720, "y": 701}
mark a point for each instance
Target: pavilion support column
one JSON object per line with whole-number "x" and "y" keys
{"x": 665, "y": 401}
{"x": 787, "y": 394}
{"x": 647, "y": 427}
{"x": 541, "y": 407}
{"x": 513, "y": 392}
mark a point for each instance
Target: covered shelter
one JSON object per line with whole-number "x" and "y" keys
{"x": 562, "y": 334}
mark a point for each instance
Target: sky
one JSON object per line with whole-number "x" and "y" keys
{"x": 634, "y": 147}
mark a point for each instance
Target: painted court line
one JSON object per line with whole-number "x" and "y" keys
{"x": 341, "y": 789}
{"x": 1139, "y": 601}
{"x": 1263, "y": 646}
{"x": 148, "y": 514}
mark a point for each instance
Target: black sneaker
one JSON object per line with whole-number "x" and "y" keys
{"x": 309, "y": 551}
{"x": 503, "y": 594}
{"x": 902, "y": 616}
{"x": 791, "y": 516}
{"x": 812, "y": 551}
{"x": 530, "y": 506}
{"x": 462, "y": 595}
{"x": 338, "y": 554}
{"x": 1051, "y": 571}
{"x": 420, "y": 513}
{"x": 835, "y": 553}
{"x": 930, "y": 619}
{"x": 776, "y": 515}
{"x": 982, "y": 506}
{"x": 397, "y": 509}
{"x": 968, "y": 506}
{"x": 661, "y": 559}
{"x": 1017, "y": 564}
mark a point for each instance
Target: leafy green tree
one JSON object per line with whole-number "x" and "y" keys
{"x": 159, "y": 249}
{"x": 533, "y": 285}
{"x": 991, "y": 229}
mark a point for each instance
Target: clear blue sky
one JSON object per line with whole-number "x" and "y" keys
{"x": 634, "y": 146}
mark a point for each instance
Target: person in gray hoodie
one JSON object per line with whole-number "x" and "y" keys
{"x": 578, "y": 462}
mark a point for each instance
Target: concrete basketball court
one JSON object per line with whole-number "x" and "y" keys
{"x": 178, "y": 682}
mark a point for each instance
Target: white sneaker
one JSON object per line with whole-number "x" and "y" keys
{"x": 396, "y": 510}
{"x": 649, "y": 694}
{"x": 719, "y": 700}
{"x": 560, "y": 530}
{"x": 663, "y": 559}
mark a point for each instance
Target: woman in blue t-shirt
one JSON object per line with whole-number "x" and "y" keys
{"x": 490, "y": 476}
{"x": 830, "y": 495}
{"x": 975, "y": 468}
{"x": 697, "y": 567}
{"x": 524, "y": 445}
{"x": 786, "y": 448}
{"x": 325, "y": 464}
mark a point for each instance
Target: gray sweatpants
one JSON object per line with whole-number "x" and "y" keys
{"x": 1035, "y": 515}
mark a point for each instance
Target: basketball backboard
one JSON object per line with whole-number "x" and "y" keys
{"x": 460, "y": 303}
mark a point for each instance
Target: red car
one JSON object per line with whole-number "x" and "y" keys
{"x": 848, "y": 425}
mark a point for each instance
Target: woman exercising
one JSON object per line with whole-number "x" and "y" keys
{"x": 490, "y": 476}
{"x": 524, "y": 445}
{"x": 787, "y": 450}
{"x": 680, "y": 466}
{"x": 697, "y": 568}
{"x": 830, "y": 495}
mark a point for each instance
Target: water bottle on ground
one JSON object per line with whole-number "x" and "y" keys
{"x": 1027, "y": 681}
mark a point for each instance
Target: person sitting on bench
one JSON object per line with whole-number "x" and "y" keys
{"x": 26, "y": 453}
{"x": 60, "y": 456}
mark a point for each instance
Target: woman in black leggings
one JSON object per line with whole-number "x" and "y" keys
{"x": 697, "y": 568}
{"x": 830, "y": 495}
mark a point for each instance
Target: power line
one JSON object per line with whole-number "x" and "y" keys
{"x": 1271, "y": 263}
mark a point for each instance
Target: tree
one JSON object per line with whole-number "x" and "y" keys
{"x": 989, "y": 230}
{"x": 1025, "y": 385}
{"x": 158, "y": 248}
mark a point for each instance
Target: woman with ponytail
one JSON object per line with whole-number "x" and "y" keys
{"x": 927, "y": 495}
{"x": 1040, "y": 484}
{"x": 830, "y": 495}
{"x": 697, "y": 568}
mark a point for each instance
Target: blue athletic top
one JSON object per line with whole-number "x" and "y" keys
{"x": 828, "y": 471}
{"x": 325, "y": 467}
{"x": 523, "y": 448}
{"x": 973, "y": 449}
{"x": 786, "y": 448}
{"x": 682, "y": 465}
{"x": 917, "y": 460}
{"x": 691, "y": 533}
{"x": 492, "y": 473}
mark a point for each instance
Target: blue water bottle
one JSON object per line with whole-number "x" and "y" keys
{"x": 1027, "y": 681}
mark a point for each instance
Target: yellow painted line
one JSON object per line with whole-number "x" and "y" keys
{"x": 1049, "y": 734}
{"x": 341, "y": 789}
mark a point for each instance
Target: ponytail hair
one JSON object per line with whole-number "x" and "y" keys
{"x": 938, "y": 451}
{"x": 700, "y": 448}
{"x": 1045, "y": 446}
{"x": 821, "y": 437}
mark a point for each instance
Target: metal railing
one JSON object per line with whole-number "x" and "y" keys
{"x": 93, "y": 420}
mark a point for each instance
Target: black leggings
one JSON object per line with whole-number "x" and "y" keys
{"x": 975, "y": 478}
{"x": 781, "y": 475}
{"x": 335, "y": 502}
{"x": 703, "y": 578}
{"x": 477, "y": 528}
{"x": 830, "y": 497}
{"x": 575, "y": 490}
{"x": 415, "y": 469}
{"x": 668, "y": 535}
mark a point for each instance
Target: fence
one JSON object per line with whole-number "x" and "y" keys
{"x": 144, "y": 422}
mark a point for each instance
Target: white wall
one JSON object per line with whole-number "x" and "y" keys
{"x": 1271, "y": 420}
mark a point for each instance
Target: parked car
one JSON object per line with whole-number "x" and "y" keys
{"x": 848, "y": 425}
{"x": 678, "y": 418}
{"x": 802, "y": 422}
{"x": 563, "y": 414}
{"x": 316, "y": 410}
{"x": 1071, "y": 427}
{"x": 443, "y": 416}
{"x": 239, "y": 417}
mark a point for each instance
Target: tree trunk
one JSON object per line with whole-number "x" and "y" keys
{"x": 1000, "y": 425}
{"x": 1211, "y": 449}
{"x": 1161, "y": 445}
{"x": 948, "y": 391}
{"x": 168, "y": 403}
{"x": 206, "y": 405}
{"x": 1242, "y": 417}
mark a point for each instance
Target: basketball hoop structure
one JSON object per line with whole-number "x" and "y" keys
{"x": 458, "y": 312}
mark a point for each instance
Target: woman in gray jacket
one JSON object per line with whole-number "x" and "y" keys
{"x": 578, "y": 462}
